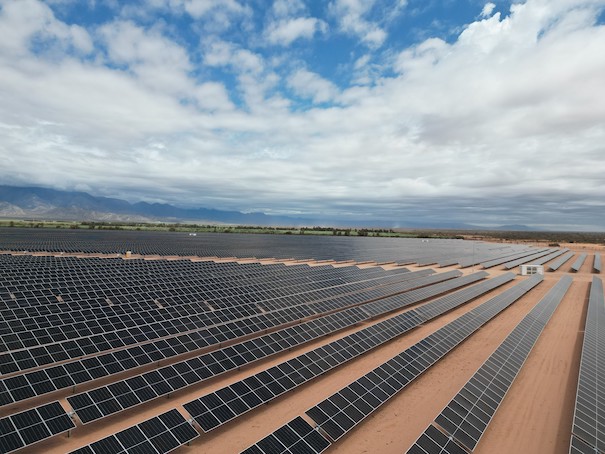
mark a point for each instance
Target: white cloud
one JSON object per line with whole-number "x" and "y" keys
{"x": 286, "y": 31}
{"x": 311, "y": 85}
{"x": 287, "y": 8}
{"x": 159, "y": 64}
{"x": 222, "y": 53}
{"x": 508, "y": 117}
{"x": 350, "y": 15}
{"x": 213, "y": 96}
{"x": 27, "y": 19}
{"x": 422, "y": 56}
{"x": 199, "y": 8}
{"x": 488, "y": 9}
{"x": 130, "y": 44}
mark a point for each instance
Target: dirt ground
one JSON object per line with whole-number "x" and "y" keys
{"x": 535, "y": 417}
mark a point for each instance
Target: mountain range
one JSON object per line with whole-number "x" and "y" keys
{"x": 52, "y": 204}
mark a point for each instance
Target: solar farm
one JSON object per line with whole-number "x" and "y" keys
{"x": 151, "y": 342}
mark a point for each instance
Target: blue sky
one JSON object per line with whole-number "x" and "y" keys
{"x": 463, "y": 111}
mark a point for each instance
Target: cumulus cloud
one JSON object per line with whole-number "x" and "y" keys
{"x": 488, "y": 9}
{"x": 502, "y": 122}
{"x": 289, "y": 21}
{"x": 28, "y": 20}
{"x": 350, "y": 15}
{"x": 287, "y": 8}
{"x": 197, "y": 8}
{"x": 311, "y": 85}
{"x": 286, "y": 31}
{"x": 222, "y": 53}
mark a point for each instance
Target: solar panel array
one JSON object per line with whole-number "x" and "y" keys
{"x": 65, "y": 375}
{"x": 529, "y": 258}
{"x": 577, "y": 446}
{"x": 300, "y": 247}
{"x": 508, "y": 258}
{"x": 159, "y": 435}
{"x": 341, "y": 412}
{"x": 26, "y": 385}
{"x": 549, "y": 257}
{"x": 468, "y": 414}
{"x": 579, "y": 262}
{"x": 499, "y": 252}
{"x": 597, "y": 263}
{"x": 295, "y": 437}
{"x": 58, "y": 330}
{"x": 558, "y": 263}
{"x": 434, "y": 441}
{"x": 589, "y": 415}
{"x": 120, "y": 395}
{"x": 225, "y": 404}
{"x": 31, "y": 426}
{"x": 148, "y": 328}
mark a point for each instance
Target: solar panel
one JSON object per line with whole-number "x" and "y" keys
{"x": 66, "y": 375}
{"x": 219, "y": 407}
{"x": 579, "y": 262}
{"x": 296, "y": 437}
{"x": 127, "y": 393}
{"x": 529, "y": 258}
{"x": 549, "y": 257}
{"x": 31, "y": 426}
{"x": 558, "y": 263}
{"x": 589, "y": 414}
{"x": 433, "y": 441}
{"x": 159, "y": 435}
{"x": 236, "y": 245}
{"x": 507, "y": 258}
{"x": 597, "y": 263}
{"x": 342, "y": 411}
{"x": 468, "y": 414}
{"x": 579, "y": 447}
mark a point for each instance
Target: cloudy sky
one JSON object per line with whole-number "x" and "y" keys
{"x": 486, "y": 113}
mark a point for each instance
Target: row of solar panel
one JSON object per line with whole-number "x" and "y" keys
{"x": 158, "y": 435}
{"x": 221, "y": 293}
{"x": 510, "y": 258}
{"x": 496, "y": 252}
{"x": 170, "y": 312}
{"x": 579, "y": 262}
{"x": 529, "y": 258}
{"x": 124, "y": 394}
{"x": 217, "y": 408}
{"x": 125, "y": 325}
{"x": 589, "y": 415}
{"x": 31, "y": 426}
{"x": 25, "y": 386}
{"x": 549, "y": 257}
{"x": 341, "y": 412}
{"x": 18, "y": 435}
{"x": 468, "y": 414}
{"x": 558, "y": 263}
{"x": 43, "y": 355}
{"x": 120, "y": 319}
{"x": 204, "y": 284}
{"x": 234, "y": 245}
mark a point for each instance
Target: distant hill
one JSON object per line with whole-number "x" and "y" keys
{"x": 515, "y": 228}
{"x": 52, "y": 204}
